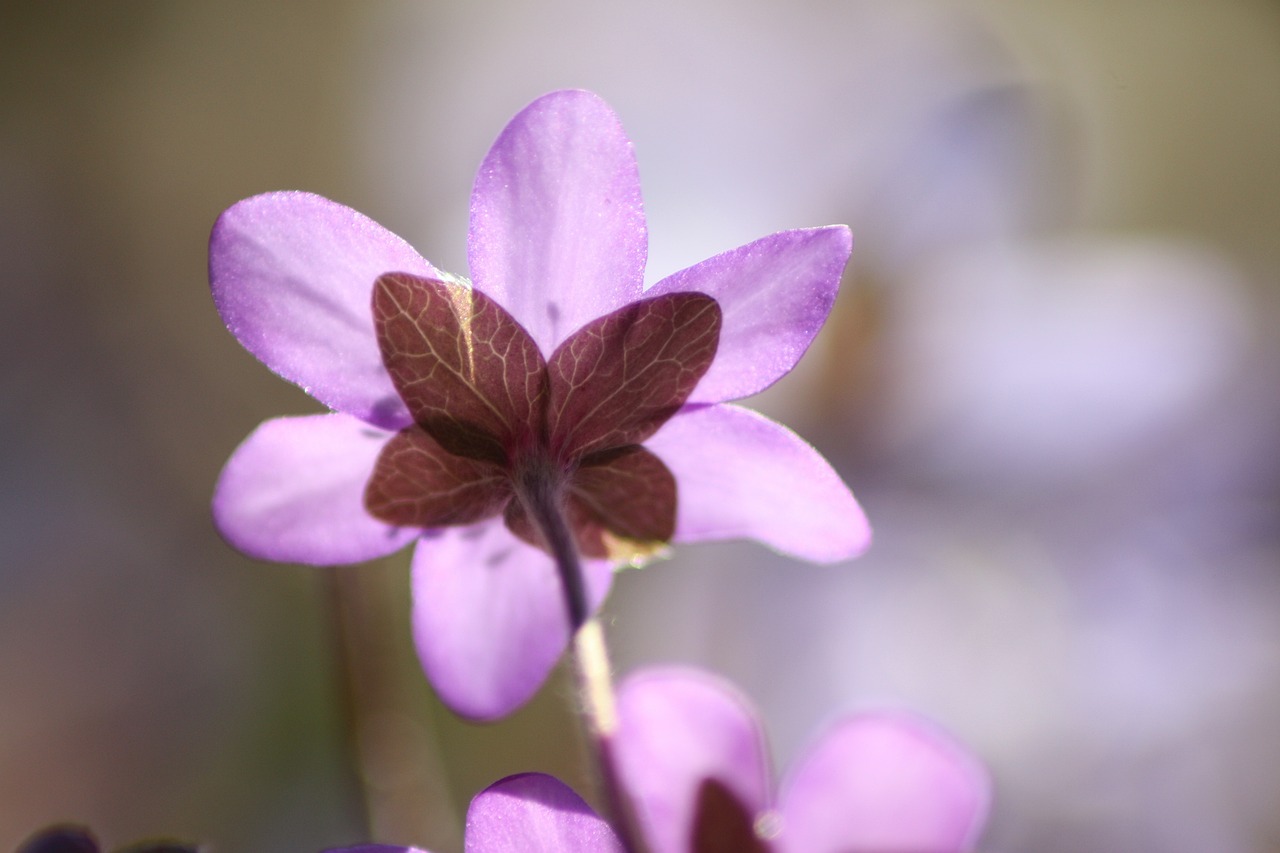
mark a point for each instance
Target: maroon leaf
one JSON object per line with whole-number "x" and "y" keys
{"x": 721, "y": 824}
{"x": 621, "y": 509}
{"x": 417, "y": 483}
{"x": 621, "y": 376}
{"x": 624, "y": 506}
{"x": 468, "y": 372}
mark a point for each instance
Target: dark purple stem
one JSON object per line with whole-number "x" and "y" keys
{"x": 541, "y": 492}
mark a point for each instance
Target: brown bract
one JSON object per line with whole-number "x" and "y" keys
{"x": 722, "y": 824}
{"x": 490, "y": 413}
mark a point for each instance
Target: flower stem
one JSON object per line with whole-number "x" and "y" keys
{"x": 541, "y": 495}
{"x": 600, "y": 717}
{"x": 540, "y": 492}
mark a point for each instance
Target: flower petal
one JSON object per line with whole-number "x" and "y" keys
{"x": 292, "y": 276}
{"x": 293, "y": 492}
{"x": 739, "y": 474}
{"x": 884, "y": 783}
{"x": 775, "y": 294}
{"x": 470, "y": 375}
{"x": 489, "y": 616}
{"x": 620, "y": 377}
{"x": 558, "y": 232}
{"x": 677, "y": 728}
{"x": 535, "y": 813}
{"x": 417, "y": 483}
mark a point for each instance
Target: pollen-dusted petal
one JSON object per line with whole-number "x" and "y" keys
{"x": 535, "y": 813}
{"x": 489, "y": 616}
{"x": 557, "y": 228}
{"x": 677, "y": 728}
{"x": 624, "y": 504}
{"x": 618, "y": 378}
{"x": 292, "y": 274}
{"x": 417, "y": 483}
{"x": 884, "y": 783}
{"x": 775, "y": 294}
{"x": 469, "y": 373}
{"x": 740, "y": 474}
{"x": 293, "y": 492}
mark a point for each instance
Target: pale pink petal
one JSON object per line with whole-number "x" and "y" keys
{"x": 679, "y": 727}
{"x": 293, "y": 492}
{"x": 775, "y": 294}
{"x": 739, "y": 474}
{"x": 558, "y": 232}
{"x": 292, "y": 276}
{"x": 489, "y": 616}
{"x": 884, "y": 783}
{"x": 535, "y": 813}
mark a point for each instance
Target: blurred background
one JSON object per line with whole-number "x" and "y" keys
{"x": 1051, "y": 378}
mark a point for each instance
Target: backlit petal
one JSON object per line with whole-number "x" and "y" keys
{"x": 739, "y": 474}
{"x": 775, "y": 294}
{"x": 489, "y": 616}
{"x": 293, "y": 492}
{"x": 558, "y": 233}
{"x": 535, "y": 813}
{"x": 679, "y": 727}
{"x": 884, "y": 783}
{"x": 292, "y": 276}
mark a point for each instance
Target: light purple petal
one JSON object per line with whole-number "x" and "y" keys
{"x": 535, "y": 813}
{"x": 293, "y": 492}
{"x": 884, "y": 783}
{"x": 558, "y": 233}
{"x": 775, "y": 294}
{"x": 739, "y": 474}
{"x": 679, "y": 727}
{"x": 489, "y": 616}
{"x": 292, "y": 276}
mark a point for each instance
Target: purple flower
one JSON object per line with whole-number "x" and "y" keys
{"x": 528, "y": 813}
{"x": 557, "y": 370}
{"x": 691, "y": 755}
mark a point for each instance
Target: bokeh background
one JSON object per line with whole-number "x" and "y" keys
{"x": 1052, "y": 379}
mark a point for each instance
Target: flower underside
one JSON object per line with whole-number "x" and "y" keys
{"x": 496, "y": 425}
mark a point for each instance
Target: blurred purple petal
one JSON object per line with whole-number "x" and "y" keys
{"x": 292, "y": 276}
{"x": 884, "y": 783}
{"x": 679, "y": 727}
{"x": 535, "y": 813}
{"x": 293, "y": 492}
{"x": 489, "y": 616}
{"x": 742, "y": 475}
{"x": 558, "y": 233}
{"x": 775, "y": 294}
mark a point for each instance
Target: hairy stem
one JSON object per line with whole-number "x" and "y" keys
{"x": 600, "y": 718}
{"x": 540, "y": 492}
